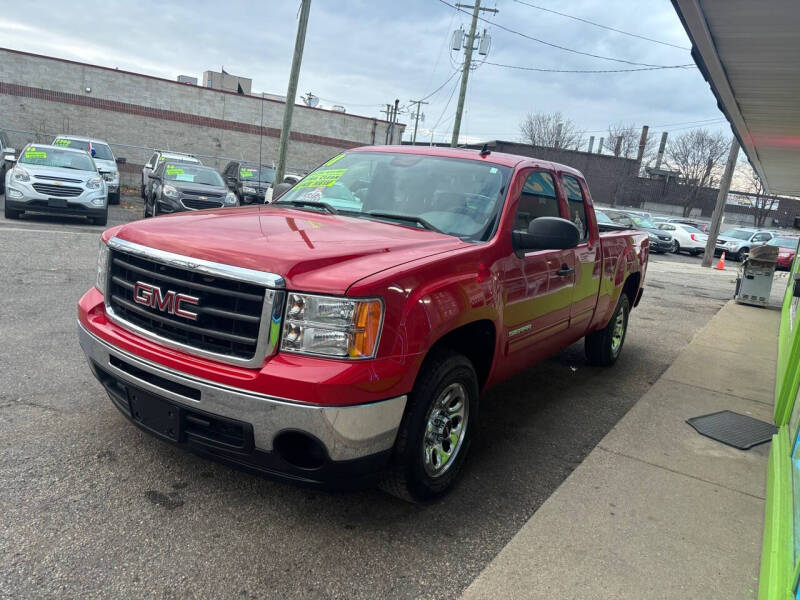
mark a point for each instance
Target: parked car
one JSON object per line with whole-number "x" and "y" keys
{"x": 787, "y": 247}
{"x": 158, "y": 157}
{"x": 103, "y": 158}
{"x": 703, "y": 227}
{"x": 290, "y": 178}
{"x": 736, "y": 243}
{"x": 177, "y": 187}
{"x": 8, "y": 156}
{"x": 685, "y": 238}
{"x": 56, "y": 180}
{"x": 248, "y": 181}
{"x": 660, "y": 241}
{"x": 328, "y": 344}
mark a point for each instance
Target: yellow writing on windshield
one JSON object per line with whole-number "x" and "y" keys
{"x": 322, "y": 178}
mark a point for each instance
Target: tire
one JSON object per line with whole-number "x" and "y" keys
{"x": 447, "y": 380}
{"x": 604, "y": 347}
{"x": 101, "y": 220}
{"x": 743, "y": 254}
{"x": 696, "y": 252}
{"x": 142, "y": 191}
{"x": 113, "y": 198}
{"x": 676, "y": 247}
{"x": 10, "y": 213}
{"x": 144, "y": 210}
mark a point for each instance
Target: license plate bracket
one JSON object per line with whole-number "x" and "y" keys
{"x": 155, "y": 414}
{"x": 56, "y": 203}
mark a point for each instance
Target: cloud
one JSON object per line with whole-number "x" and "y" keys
{"x": 364, "y": 54}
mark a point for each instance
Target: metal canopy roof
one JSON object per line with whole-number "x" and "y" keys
{"x": 749, "y": 52}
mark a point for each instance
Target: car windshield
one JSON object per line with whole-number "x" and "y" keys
{"x": 783, "y": 242}
{"x": 253, "y": 173}
{"x": 54, "y": 157}
{"x": 454, "y": 196}
{"x": 192, "y": 174}
{"x": 603, "y": 217}
{"x": 739, "y": 234}
{"x": 101, "y": 151}
{"x": 643, "y": 222}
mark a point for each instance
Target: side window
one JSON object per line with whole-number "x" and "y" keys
{"x": 762, "y": 237}
{"x": 151, "y": 164}
{"x": 666, "y": 227}
{"x": 577, "y": 205}
{"x": 538, "y": 199}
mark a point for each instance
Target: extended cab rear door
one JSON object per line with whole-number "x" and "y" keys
{"x": 588, "y": 257}
{"x": 537, "y": 284}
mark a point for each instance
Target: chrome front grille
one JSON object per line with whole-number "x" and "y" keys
{"x": 233, "y": 308}
{"x": 61, "y": 191}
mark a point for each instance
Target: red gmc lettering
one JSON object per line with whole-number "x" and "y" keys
{"x": 170, "y": 302}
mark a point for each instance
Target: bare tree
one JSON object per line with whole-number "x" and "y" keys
{"x": 697, "y": 156}
{"x": 550, "y": 130}
{"x": 761, "y": 202}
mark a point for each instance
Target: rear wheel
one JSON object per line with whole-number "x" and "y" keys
{"x": 436, "y": 430}
{"x": 676, "y": 247}
{"x": 604, "y": 347}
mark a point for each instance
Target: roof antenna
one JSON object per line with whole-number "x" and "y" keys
{"x": 485, "y": 150}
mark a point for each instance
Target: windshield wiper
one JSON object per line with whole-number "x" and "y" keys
{"x": 407, "y": 218}
{"x": 310, "y": 203}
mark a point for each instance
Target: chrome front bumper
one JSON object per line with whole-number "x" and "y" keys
{"x": 347, "y": 432}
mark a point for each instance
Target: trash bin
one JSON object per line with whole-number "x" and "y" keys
{"x": 754, "y": 279}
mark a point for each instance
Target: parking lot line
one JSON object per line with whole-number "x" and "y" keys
{"x": 26, "y": 230}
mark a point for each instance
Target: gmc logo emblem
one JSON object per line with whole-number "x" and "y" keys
{"x": 169, "y": 301}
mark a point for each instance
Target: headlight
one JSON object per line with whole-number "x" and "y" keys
{"x": 169, "y": 192}
{"x": 102, "y": 267}
{"x": 248, "y": 190}
{"x": 329, "y": 326}
{"x": 20, "y": 174}
{"x": 230, "y": 199}
{"x": 94, "y": 183}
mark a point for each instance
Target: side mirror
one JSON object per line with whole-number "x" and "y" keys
{"x": 10, "y": 154}
{"x": 153, "y": 176}
{"x": 280, "y": 190}
{"x": 547, "y": 233}
{"x": 121, "y": 160}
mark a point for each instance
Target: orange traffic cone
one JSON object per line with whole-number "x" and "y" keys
{"x": 721, "y": 264}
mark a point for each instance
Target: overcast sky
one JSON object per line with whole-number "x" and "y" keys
{"x": 365, "y": 53}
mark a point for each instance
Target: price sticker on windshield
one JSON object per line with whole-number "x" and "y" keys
{"x": 173, "y": 170}
{"x": 63, "y": 142}
{"x": 322, "y": 178}
{"x": 34, "y": 153}
{"x": 246, "y": 173}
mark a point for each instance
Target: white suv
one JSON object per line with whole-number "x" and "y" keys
{"x": 103, "y": 158}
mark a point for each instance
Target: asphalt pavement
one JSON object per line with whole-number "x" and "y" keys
{"x": 93, "y": 508}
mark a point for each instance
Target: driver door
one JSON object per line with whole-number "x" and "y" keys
{"x": 538, "y": 284}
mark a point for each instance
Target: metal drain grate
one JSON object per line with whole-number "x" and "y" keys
{"x": 733, "y": 429}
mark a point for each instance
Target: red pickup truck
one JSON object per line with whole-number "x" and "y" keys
{"x": 345, "y": 332}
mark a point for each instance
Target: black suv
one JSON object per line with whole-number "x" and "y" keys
{"x": 177, "y": 187}
{"x": 247, "y": 181}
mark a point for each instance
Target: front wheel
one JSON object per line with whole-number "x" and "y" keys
{"x": 102, "y": 219}
{"x": 743, "y": 254}
{"x": 676, "y": 247}
{"x": 10, "y": 213}
{"x": 436, "y": 430}
{"x": 113, "y": 198}
{"x": 604, "y": 347}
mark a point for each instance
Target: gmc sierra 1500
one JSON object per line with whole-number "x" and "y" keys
{"x": 345, "y": 332}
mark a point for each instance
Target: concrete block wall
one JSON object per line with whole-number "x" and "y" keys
{"x": 43, "y": 96}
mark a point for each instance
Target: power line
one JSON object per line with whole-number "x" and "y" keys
{"x": 541, "y": 70}
{"x": 448, "y": 80}
{"x": 636, "y": 35}
{"x": 552, "y": 45}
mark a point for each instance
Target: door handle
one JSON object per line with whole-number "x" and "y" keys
{"x": 564, "y": 271}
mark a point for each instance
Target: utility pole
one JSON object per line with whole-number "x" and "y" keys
{"x": 642, "y": 144}
{"x": 467, "y": 62}
{"x": 416, "y": 119}
{"x": 392, "y": 121}
{"x": 600, "y": 146}
{"x": 719, "y": 209}
{"x": 558, "y": 135}
{"x": 591, "y": 144}
{"x": 291, "y": 92}
{"x": 618, "y": 146}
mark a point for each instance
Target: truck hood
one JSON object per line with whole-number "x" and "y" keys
{"x": 312, "y": 251}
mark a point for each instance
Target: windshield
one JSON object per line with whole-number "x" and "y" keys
{"x": 455, "y": 196}
{"x": 603, "y": 218}
{"x": 192, "y": 174}
{"x": 101, "y": 151}
{"x": 264, "y": 175}
{"x": 739, "y": 234}
{"x": 53, "y": 157}
{"x": 643, "y": 222}
{"x": 783, "y": 242}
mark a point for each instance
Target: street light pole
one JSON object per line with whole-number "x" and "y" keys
{"x": 291, "y": 92}
{"x": 719, "y": 209}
